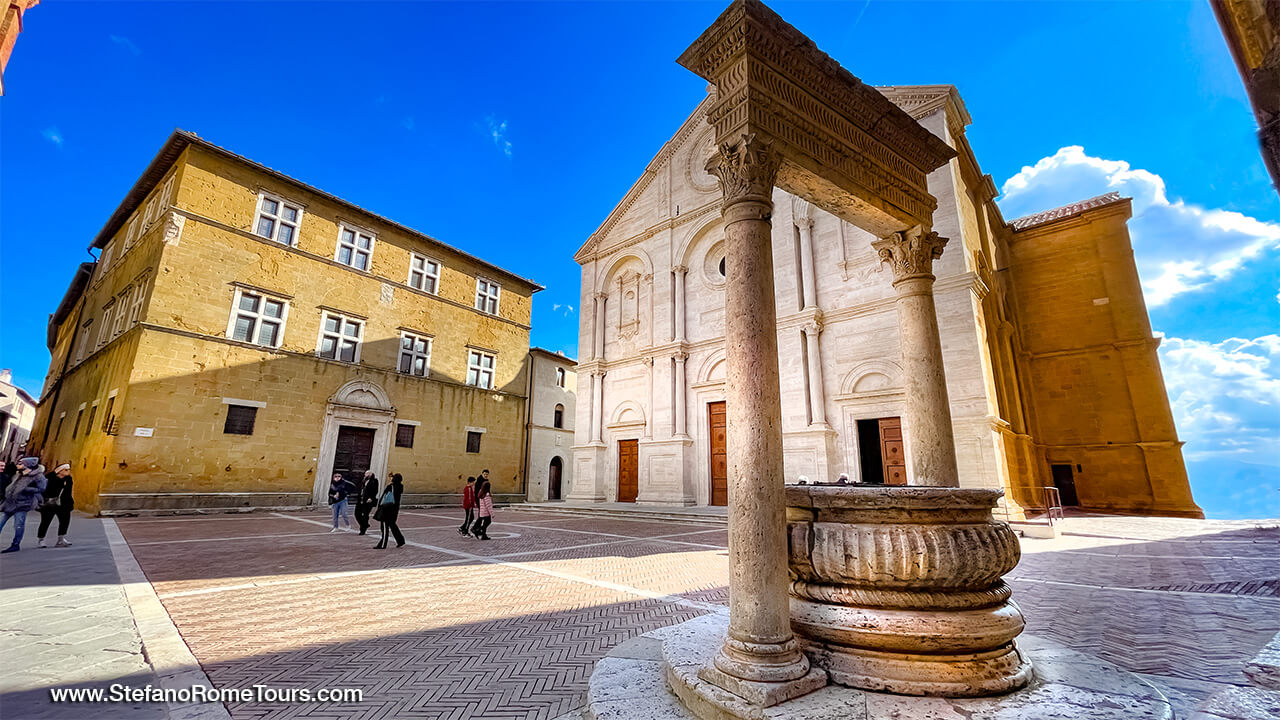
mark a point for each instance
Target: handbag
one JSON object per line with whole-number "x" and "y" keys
{"x": 388, "y": 497}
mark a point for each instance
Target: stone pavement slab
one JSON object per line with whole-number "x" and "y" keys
{"x": 65, "y": 622}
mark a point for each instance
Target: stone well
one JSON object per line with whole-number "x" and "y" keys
{"x": 899, "y": 589}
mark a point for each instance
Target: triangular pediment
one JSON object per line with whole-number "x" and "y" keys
{"x": 645, "y": 184}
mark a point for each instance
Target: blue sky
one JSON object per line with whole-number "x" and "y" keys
{"x": 511, "y": 130}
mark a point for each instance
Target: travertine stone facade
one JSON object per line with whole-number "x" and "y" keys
{"x": 553, "y": 403}
{"x": 652, "y": 338}
{"x": 151, "y": 349}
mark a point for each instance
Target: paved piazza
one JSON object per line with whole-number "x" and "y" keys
{"x": 449, "y": 627}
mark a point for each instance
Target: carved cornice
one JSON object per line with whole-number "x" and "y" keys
{"x": 749, "y": 28}
{"x": 746, "y": 169}
{"x": 910, "y": 254}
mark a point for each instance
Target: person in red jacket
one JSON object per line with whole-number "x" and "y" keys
{"x": 469, "y": 505}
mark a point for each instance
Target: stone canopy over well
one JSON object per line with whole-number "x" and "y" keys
{"x": 845, "y": 147}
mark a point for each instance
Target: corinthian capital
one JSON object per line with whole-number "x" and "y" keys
{"x": 910, "y": 254}
{"x": 747, "y": 169}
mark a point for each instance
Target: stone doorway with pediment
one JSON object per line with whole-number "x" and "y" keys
{"x": 357, "y": 405}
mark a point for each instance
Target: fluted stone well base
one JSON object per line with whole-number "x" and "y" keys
{"x": 899, "y": 589}
{"x": 655, "y": 677}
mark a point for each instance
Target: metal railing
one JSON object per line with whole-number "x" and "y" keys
{"x": 1052, "y": 503}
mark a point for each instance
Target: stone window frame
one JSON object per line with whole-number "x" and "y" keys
{"x": 108, "y": 416}
{"x": 413, "y": 336}
{"x": 57, "y": 433}
{"x": 86, "y": 331}
{"x": 131, "y": 235}
{"x": 241, "y": 418}
{"x": 400, "y": 438}
{"x": 340, "y": 335}
{"x": 488, "y": 291}
{"x": 477, "y": 436}
{"x": 104, "y": 330}
{"x": 276, "y": 219}
{"x": 75, "y": 429}
{"x": 475, "y": 364}
{"x": 104, "y": 259}
{"x": 257, "y": 316}
{"x": 434, "y": 278}
{"x": 122, "y": 317}
{"x": 561, "y": 376}
{"x": 139, "y": 296}
{"x": 557, "y": 418}
{"x": 93, "y": 413}
{"x": 357, "y": 232}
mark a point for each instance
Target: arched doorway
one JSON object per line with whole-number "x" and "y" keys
{"x": 553, "y": 480}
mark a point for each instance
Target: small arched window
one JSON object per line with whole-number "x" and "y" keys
{"x": 559, "y": 377}
{"x": 559, "y": 419}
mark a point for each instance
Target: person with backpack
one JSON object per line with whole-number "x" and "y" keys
{"x": 23, "y": 494}
{"x": 58, "y": 503}
{"x": 339, "y": 489}
{"x": 468, "y": 506}
{"x": 484, "y": 505}
{"x": 389, "y": 511}
{"x": 366, "y": 500}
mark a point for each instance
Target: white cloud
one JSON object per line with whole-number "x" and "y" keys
{"x": 53, "y": 135}
{"x": 126, "y": 43}
{"x": 498, "y": 131}
{"x": 1179, "y": 247}
{"x": 1226, "y": 396}
{"x": 568, "y": 309}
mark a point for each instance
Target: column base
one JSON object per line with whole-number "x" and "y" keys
{"x": 764, "y": 694}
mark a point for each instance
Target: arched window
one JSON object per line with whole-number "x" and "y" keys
{"x": 559, "y": 377}
{"x": 559, "y": 421}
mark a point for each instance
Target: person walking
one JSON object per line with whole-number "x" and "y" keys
{"x": 22, "y": 495}
{"x": 366, "y": 500}
{"x": 468, "y": 506}
{"x": 484, "y": 504}
{"x": 7, "y": 475}
{"x": 339, "y": 489}
{"x": 58, "y": 503}
{"x": 388, "y": 512}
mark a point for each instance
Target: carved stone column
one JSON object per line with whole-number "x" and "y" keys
{"x": 760, "y": 659}
{"x": 930, "y": 441}
{"x": 679, "y": 332}
{"x": 807, "y": 275}
{"x": 648, "y": 410}
{"x": 679, "y": 411}
{"x": 817, "y": 399}
{"x": 597, "y": 409}
{"x": 598, "y": 329}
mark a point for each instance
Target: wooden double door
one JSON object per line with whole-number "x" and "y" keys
{"x": 892, "y": 455}
{"x": 628, "y": 470}
{"x": 354, "y": 452}
{"x": 718, "y": 426}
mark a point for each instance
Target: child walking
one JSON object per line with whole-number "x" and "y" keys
{"x": 468, "y": 505}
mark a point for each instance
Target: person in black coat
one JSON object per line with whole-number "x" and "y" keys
{"x": 389, "y": 511}
{"x": 57, "y": 503}
{"x": 366, "y": 500}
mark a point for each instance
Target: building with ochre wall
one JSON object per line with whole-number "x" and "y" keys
{"x": 1051, "y": 368}
{"x": 244, "y": 335}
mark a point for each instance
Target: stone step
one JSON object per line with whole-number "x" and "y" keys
{"x": 632, "y": 512}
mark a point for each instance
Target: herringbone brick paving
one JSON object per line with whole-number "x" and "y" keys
{"x": 450, "y": 627}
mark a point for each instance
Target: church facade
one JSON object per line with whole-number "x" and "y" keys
{"x": 1051, "y": 366}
